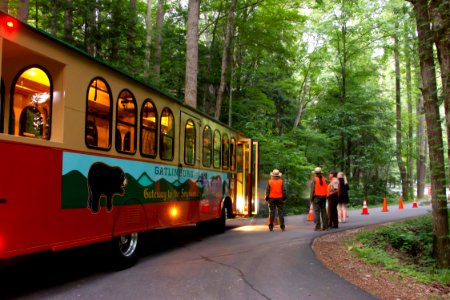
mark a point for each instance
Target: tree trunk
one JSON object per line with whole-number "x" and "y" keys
{"x": 148, "y": 39}
{"x": 225, "y": 59}
{"x": 440, "y": 17}
{"x": 301, "y": 106}
{"x": 68, "y": 21}
{"x": 4, "y": 5}
{"x": 410, "y": 160}
{"x": 131, "y": 34}
{"x": 158, "y": 41}
{"x": 190, "y": 90}
{"x": 91, "y": 29}
{"x": 22, "y": 12}
{"x": 435, "y": 144}
{"x": 401, "y": 164}
{"x": 53, "y": 18}
{"x": 421, "y": 148}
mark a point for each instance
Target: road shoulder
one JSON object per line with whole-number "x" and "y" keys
{"x": 331, "y": 250}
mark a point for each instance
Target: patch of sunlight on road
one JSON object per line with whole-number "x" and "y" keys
{"x": 251, "y": 228}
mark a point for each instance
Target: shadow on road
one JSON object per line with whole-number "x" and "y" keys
{"x": 28, "y": 274}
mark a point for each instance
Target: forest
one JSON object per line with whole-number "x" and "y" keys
{"x": 356, "y": 86}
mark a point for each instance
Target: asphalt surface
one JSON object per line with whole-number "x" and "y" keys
{"x": 246, "y": 262}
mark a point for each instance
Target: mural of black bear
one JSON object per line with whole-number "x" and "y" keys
{"x": 107, "y": 181}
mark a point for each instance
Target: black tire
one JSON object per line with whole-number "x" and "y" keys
{"x": 221, "y": 222}
{"x": 125, "y": 251}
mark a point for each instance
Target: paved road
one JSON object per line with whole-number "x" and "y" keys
{"x": 247, "y": 262}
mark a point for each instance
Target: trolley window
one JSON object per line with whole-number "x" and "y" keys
{"x": 149, "y": 128}
{"x": 189, "y": 143}
{"x": 126, "y": 123}
{"x": 98, "y": 115}
{"x": 206, "y": 155}
{"x": 225, "y": 152}
{"x": 31, "y": 108}
{"x": 233, "y": 154}
{"x": 167, "y": 135}
{"x": 217, "y": 150}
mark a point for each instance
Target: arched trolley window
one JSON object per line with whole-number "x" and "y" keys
{"x": 167, "y": 135}
{"x": 149, "y": 129}
{"x": 207, "y": 146}
{"x": 126, "y": 123}
{"x": 31, "y": 103}
{"x": 217, "y": 149}
{"x": 225, "y": 152}
{"x": 232, "y": 154}
{"x": 98, "y": 115}
{"x": 189, "y": 143}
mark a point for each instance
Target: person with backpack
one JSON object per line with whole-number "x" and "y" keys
{"x": 318, "y": 198}
{"x": 276, "y": 196}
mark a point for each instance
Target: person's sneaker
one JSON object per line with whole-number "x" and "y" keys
{"x": 270, "y": 228}
{"x": 316, "y": 229}
{"x": 326, "y": 229}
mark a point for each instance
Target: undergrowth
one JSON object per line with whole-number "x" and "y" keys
{"x": 404, "y": 246}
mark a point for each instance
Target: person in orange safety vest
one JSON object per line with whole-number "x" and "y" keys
{"x": 318, "y": 198}
{"x": 276, "y": 196}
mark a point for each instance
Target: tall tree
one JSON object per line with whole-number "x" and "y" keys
{"x": 398, "y": 105}
{"x": 158, "y": 41}
{"x": 225, "y": 58}
{"x": 68, "y": 21}
{"x": 190, "y": 90}
{"x": 53, "y": 17}
{"x": 22, "y": 13}
{"x": 131, "y": 35}
{"x": 434, "y": 132}
{"x": 440, "y": 17}
{"x": 4, "y": 5}
{"x": 148, "y": 39}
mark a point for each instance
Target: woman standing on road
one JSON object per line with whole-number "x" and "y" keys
{"x": 342, "y": 197}
{"x": 333, "y": 190}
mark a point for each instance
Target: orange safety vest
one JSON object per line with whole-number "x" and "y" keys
{"x": 320, "y": 190}
{"x": 276, "y": 189}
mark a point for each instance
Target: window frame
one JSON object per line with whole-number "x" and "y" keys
{"x": 195, "y": 142}
{"x": 161, "y": 136}
{"x": 208, "y": 148}
{"x": 126, "y": 123}
{"x": 110, "y": 114}
{"x": 50, "y": 105}
{"x": 148, "y": 100}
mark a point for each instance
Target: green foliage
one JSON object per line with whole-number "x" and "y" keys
{"x": 406, "y": 246}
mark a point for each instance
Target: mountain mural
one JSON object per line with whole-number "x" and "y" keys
{"x": 75, "y": 190}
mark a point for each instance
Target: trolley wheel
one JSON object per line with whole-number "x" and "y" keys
{"x": 220, "y": 222}
{"x": 125, "y": 251}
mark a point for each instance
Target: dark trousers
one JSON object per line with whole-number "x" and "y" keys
{"x": 320, "y": 210}
{"x": 333, "y": 213}
{"x": 277, "y": 204}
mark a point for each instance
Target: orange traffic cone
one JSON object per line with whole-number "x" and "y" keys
{"x": 415, "y": 203}
{"x": 311, "y": 213}
{"x": 400, "y": 203}
{"x": 365, "y": 210}
{"x": 385, "y": 207}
